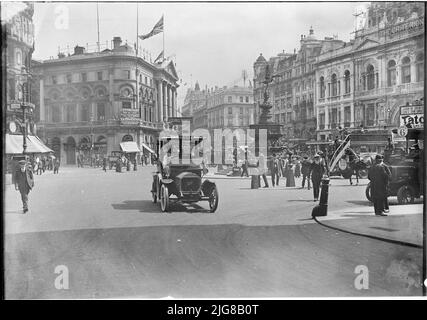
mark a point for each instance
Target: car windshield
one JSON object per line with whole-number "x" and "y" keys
{"x": 181, "y": 157}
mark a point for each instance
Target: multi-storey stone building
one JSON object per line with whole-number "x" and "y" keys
{"x": 91, "y": 102}
{"x": 195, "y": 106}
{"x": 226, "y": 107}
{"x": 231, "y": 108}
{"x": 292, "y": 91}
{"x": 363, "y": 84}
{"x": 18, "y": 33}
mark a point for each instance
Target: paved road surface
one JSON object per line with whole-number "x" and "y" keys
{"x": 260, "y": 243}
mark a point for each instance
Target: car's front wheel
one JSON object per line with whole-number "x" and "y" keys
{"x": 164, "y": 198}
{"x": 213, "y": 199}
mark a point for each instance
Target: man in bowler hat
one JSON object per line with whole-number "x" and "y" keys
{"x": 24, "y": 182}
{"x": 379, "y": 177}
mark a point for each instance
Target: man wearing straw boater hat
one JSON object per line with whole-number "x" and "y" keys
{"x": 24, "y": 182}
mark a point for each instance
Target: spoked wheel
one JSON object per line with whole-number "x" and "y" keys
{"x": 154, "y": 192}
{"x": 164, "y": 198}
{"x": 405, "y": 195}
{"x": 213, "y": 199}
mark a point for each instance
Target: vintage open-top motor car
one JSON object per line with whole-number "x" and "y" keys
{"x": 180, "y": 180}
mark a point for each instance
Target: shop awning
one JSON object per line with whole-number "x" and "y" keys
{"x": 129, "y": 147}
{"x": 34, "y": 144}
{"x": 147, "y": 147}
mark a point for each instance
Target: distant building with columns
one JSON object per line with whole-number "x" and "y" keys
{"x": 91, "y": 102}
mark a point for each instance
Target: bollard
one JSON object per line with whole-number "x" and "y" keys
{"x": 255, "y": 183}
{"x": 135, "y": 166}
{"x": 321, "y": 209}
{"x": 128, "y": 166}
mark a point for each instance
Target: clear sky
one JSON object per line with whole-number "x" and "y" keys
{"x": 212, "y": 43}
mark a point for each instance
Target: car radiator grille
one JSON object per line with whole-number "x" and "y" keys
{"x": 190, "y": 184}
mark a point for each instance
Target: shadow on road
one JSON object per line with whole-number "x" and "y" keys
{"x": 224, "y": 260}
{"x": 149, "y": 206}
{"x": 141, "y": 205}
{"x": 360, "y": 203}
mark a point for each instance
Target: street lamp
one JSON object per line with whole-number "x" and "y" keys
{"x": 24, "y": 106}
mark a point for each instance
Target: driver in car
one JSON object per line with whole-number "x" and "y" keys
{"x": 167, "y": 159}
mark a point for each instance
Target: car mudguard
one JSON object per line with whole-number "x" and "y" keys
{"x": 207, "y": 186}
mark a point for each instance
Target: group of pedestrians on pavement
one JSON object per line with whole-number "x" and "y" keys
{"x": 40, "y": 164}
{"x": 290, "y": 167}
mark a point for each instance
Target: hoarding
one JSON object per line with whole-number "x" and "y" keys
{"x": 412, "y": 116}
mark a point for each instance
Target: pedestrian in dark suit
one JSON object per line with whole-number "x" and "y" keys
{"x": 274, "y": 168}
{"x": 56, "y": 166}
{"x": 305, "y": 170}
{"x": 24, "y": 182}
{"x": 379, "y": 178}
{"x": 316, "y": 171}
{"x": 104, "y": 164}
{"x": 388, "y": 171}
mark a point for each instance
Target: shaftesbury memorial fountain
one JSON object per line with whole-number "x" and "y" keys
{"x": 264, "y": 122}
{"x": 265, "y": 125}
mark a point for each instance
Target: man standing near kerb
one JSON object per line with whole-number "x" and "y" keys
{"x": 24, "y": 182}
{"x": 379, "y": 177}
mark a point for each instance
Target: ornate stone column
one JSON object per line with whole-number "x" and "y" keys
{"x": 160, "y": 100}
{"x": 42, "y": 106}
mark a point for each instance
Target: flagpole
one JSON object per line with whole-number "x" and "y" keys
{"x": 136, "y": 62}
{"x": 97, "y": 24}
{"x": 164, "y": 55}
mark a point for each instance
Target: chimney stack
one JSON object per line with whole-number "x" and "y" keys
{"x": 117, "y": 41}
{"x": 79, "y": 50}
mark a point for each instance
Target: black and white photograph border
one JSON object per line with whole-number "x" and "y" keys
{"x": 213, "y": 150}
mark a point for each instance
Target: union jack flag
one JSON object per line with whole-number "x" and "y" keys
{"x": 158, "y": 28}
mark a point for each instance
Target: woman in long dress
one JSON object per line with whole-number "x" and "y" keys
{"x": 290, "y": 179}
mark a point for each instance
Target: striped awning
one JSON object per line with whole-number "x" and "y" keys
{"x": 129, "y": 147}
{"x": 147, "y": 147}
{"x": 34, "y": 144}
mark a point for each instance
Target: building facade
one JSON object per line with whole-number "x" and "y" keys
{"x": 231, "y": 108}
{"x": 91, "y": 102}
{"x": 293, "y": 88}
{"x": 220, "y": 108}
{"x": 18, "y": 34}
{"x": 363, "y": 84}
{"x": 195, "y": 106}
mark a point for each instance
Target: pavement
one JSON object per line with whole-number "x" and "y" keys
{"x": 403, "y": 223}
{"x": 263, "y": 243}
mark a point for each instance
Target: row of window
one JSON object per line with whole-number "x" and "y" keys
{"x": 242, "y": 99}
{"x": 369, "y": 79}
{"x": 99, "y": 76}
{"x": 70, "y": 113}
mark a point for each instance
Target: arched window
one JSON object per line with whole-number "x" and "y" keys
{"x": 70, "y": 113}
{"x": 322, "y": 87}
{"x": 347, "y": 81}
{"x": 391, "y": 73}
{"x": 18, "y": 57}
{"x": 370, "y": 77}
{"x": 420, "y": 67}
{"x": 406, "y": 70}
{"x": 334, "y": 85}
{"x": 127, "y": 137}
